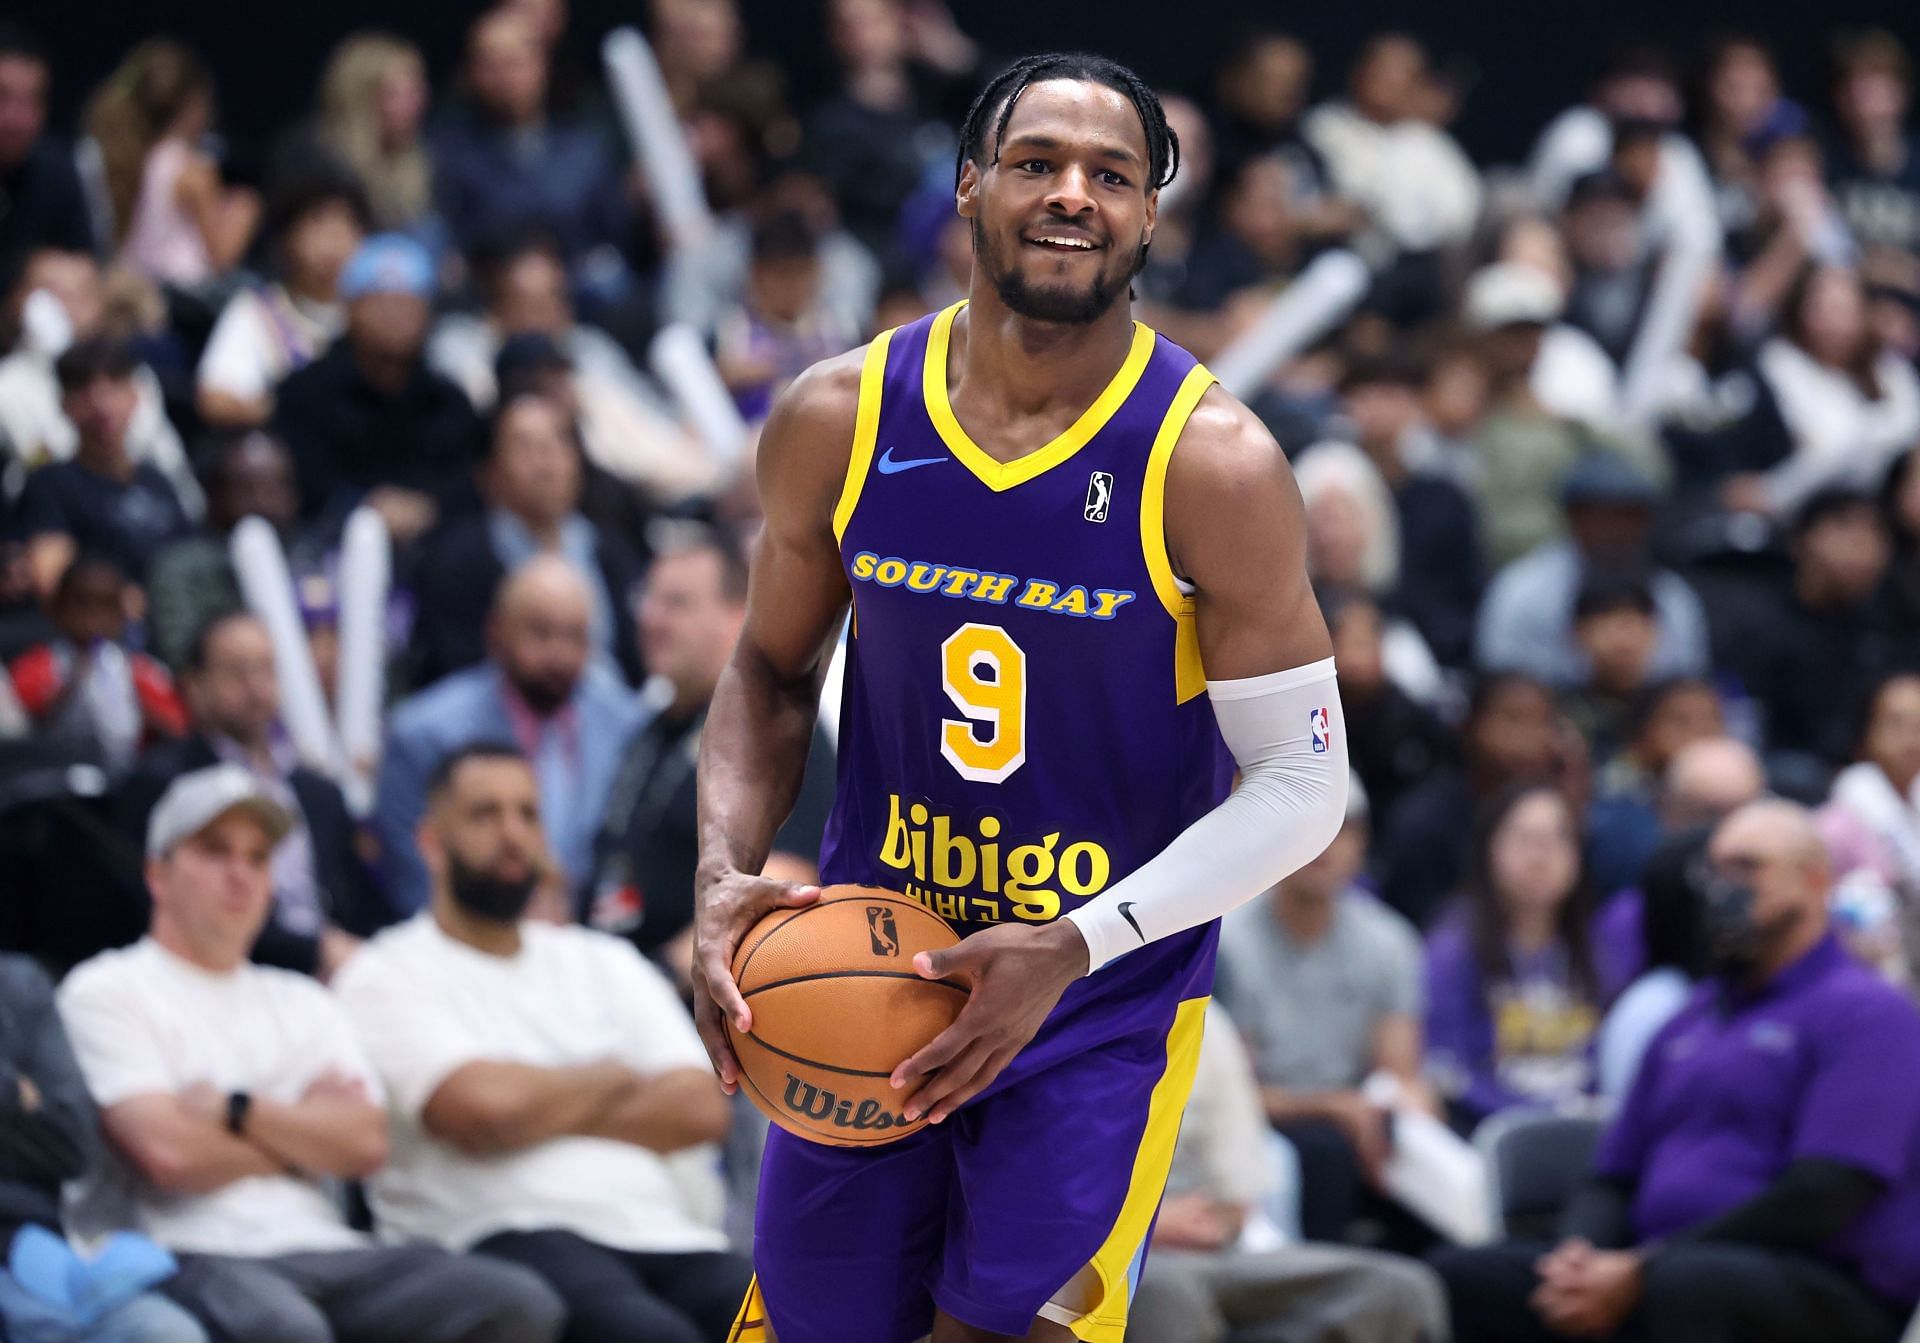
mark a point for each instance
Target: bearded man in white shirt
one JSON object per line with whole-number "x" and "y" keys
{"x": 540, "y": 1079}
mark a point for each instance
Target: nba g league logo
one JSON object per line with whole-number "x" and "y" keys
{"x": 1099, "y": 497}
{"x": 880, "y": 928}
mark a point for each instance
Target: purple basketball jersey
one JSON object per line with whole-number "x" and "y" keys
{"x": 1023, "y": 721}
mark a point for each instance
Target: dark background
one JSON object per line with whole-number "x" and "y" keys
{"x": 1525, "y": 61}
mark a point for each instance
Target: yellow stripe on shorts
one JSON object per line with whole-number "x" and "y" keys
{"x": 750, "y": 1325}
{"x": 1106, "y": 1320}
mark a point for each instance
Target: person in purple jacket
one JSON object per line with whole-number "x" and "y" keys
{"x": 1512, "y": 983}
{"x": 1762, "y": 1179}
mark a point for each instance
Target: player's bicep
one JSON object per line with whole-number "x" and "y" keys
{"x": 1236, "y": 530}
{"x": 797, "y": 592}
{"x": 796, "y": 596}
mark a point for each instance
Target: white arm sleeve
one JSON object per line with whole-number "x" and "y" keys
{"x": 1289, "y": 738}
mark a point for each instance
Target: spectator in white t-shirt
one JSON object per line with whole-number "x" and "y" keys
{"x": 266, "y": 332}
{"x": 1385, "y": 154}
{"x": 541, "y": 1079}
{"x": 230, "y": 1093}
{"x": 1849, "y": 406}
{"x": 1638, "y": 85}
{"x": 59, "y": 300}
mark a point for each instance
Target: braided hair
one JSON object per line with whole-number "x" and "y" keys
{"x": 1163, "y": 146}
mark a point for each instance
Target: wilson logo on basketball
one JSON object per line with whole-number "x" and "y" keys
{"x": 819, "y": 1105}
{"x": 886, "y": 938}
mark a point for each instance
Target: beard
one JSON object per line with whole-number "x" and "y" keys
{"x": 544, "y": 694}
{"x": 487, "y": 895}
{"x": 1047, "y": 303}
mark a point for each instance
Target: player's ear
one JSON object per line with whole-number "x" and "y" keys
{"x": 1153, "y": 213}
{"x": 966, "y": 192}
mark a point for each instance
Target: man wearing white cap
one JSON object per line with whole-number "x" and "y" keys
{"x": 1544, "y": 414}
{"x": 229, "y": 1092}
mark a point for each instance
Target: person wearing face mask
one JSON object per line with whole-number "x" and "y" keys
{"x": 540, "y": 689}
{"x": 549, "y": 1094}
{"x": 1762, "y": 1178}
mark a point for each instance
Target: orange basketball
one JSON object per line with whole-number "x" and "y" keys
{"x": 836, "y": 1008}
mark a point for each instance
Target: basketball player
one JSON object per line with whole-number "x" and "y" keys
{"x": 1077, "y": 584}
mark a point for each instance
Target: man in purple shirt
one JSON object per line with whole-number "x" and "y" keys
{"x": 1762, "y": 1181}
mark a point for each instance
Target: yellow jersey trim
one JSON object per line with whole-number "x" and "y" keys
{"x": 1190, "y": 678}
{"x": 1113, "y": 1263}
{"x": 997, "y": 475}
{"x": 866, "y": 428}
{"x": 750, "y": 1325}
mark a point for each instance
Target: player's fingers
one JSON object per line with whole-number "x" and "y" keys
{"x": 979, "y": 1082}
{"x": 937, "y": 1053}
{"x": 936, "y": 964}
{"x": 712, "y": 1028}
{"x": 953, "y": 1078}
{"x": 788, "y": 896}
{"x": 961, "y": 960}
{"x": 715, "y": 975}
{"x": 754, "y": 897}
{"x": 746, "y": 906}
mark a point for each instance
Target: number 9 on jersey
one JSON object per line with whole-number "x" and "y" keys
{"x": 990, "y": 742}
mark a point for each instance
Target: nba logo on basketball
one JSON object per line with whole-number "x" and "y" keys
{"x": 886, "y": 938}
{"x": 1317, "y": 725}
{"x": 1099, "y": 495}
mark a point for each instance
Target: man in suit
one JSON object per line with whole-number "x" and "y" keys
{"x": 324, "y": 898}
{"x": 540, "y": 690}
{"x": 532, "y": 480}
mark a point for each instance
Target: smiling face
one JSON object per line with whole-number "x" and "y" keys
{"x": 1061, "y": 209}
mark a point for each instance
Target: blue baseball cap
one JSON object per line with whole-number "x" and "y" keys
{"x": 388, "y": 263}
{"x": 1602, "y": 478}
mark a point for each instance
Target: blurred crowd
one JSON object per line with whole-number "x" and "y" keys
{"x": 352, "y": 480}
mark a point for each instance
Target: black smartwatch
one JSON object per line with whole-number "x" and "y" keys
{"x": 238, "y": 1105}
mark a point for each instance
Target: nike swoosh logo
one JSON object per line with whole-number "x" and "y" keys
{"x": 889, "y": 466}
{"x": 1126, "y": 912}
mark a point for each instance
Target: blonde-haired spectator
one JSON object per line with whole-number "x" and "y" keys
{"x": 1353, "y": 542}
{"x": 175, "y": 220}
{"x": 373, "y": 97}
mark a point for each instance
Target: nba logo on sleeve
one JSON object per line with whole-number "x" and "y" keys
{"x": 1099, "y": 495}
{"x": 1317, "y": 725}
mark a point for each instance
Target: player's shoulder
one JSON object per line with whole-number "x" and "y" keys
{"x": 1224, "y": 442}
{"x": 1224, "y": 454}
{"x": 808, "y": 437}
{"x": 822, "y": 401}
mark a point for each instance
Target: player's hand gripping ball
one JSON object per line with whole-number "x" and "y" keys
{"x": 836, "y": 1006}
